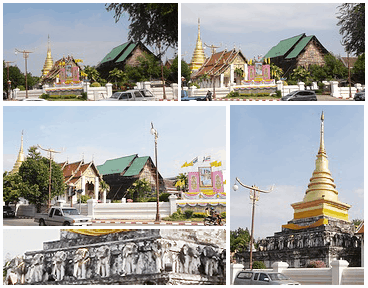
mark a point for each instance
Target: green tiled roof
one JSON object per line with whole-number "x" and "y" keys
{"x": 299, "y": 47}
{"x": 126, "y": 53}
{"x": 114, "y": 53}
{"x": 115, "y": 165}
{"x": 283, "y": 46}
{"x": 136, "y": 166}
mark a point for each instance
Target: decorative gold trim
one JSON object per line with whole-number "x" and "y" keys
{"x": 320, "y": 222}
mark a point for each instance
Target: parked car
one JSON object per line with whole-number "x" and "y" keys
{"x": 185, "y": 97}
{"x": 300, "y": 95}
{"x": 132, "y": 95}
{"x": 360, "y": 96}
{"x": 62, "y": 216}
{"x": 8, "y": 212}
{"x": 262, "y": 278}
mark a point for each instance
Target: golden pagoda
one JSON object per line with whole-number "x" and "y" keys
{"x": 321, "y": 198}
{"x": 49, "y": 62}
{"x": 198, "y": 55}
{"x": 20, "y": 158}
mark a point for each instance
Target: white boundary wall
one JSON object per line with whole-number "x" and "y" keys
{"x": 338, "y": 274}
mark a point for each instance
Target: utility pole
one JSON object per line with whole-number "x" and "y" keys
{"x": 25, "y": 56}
{"x": 50, "y": 151}
{"x": 155, "y": 134}
{"x": 254, "y": 196}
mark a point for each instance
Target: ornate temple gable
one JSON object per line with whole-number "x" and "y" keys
{"x": 135, "y": 54}
{"x": 150, "y": 256}
{"x": 312, "y": 55}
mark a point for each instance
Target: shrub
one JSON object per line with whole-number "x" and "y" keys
{"x": 258, "y": 265}
{"x": 84, "y": 198}
{"x": 45, "y": 96}
{"x": 164, "y": 197}
{"x": 21, "y": 88}
{"x": 278, "y": 94}
{"x": 234, "y": 94}
{"x": 199, "y": 215}
{"x": 188, "y": 213}
{"x": 95, "y": 84}
{"x": 316, "y": 264}
{"x": 223, "y": 215}
{"x": 84, "y": 95}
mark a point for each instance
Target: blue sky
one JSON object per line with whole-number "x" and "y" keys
{"x": 108, "y": 132}
{"x": 256, "y": 28}
{"x": 85, "y": 30}
{"x": 278, "y": 144}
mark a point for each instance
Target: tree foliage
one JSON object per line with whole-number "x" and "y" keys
{"x": 182, "y": 182}
{"x": 334, "y": 68}
{"x": 185, "y": 70}
{"x": 239, "y": 240}
{"x": 11, "y": 188}
{"x": 352, "y": 21}
{"x": 34, "y": 173}
{"x": 138, "y": 189}
{"x": 358, "y": 71}
{"x": 154, "y": 24}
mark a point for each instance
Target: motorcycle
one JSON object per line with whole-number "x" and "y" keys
{"x": 213, "y": 221}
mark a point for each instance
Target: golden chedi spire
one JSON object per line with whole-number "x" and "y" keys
{"x": 321, "y": 197}
{"x": 198, "y": 55}
{"x": 49, "y": 62}
{"x": 20, "y": 158}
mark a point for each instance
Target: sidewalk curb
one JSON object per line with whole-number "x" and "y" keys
{"x": 146, "y": 223}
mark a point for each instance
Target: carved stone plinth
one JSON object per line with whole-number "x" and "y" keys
{"x": 167, "y": 256}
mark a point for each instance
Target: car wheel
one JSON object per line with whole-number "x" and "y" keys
{"x": 66, "y": 223}
{"x": 42, "y": 222}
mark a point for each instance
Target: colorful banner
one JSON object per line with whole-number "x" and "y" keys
{"x": 193, "y": 182}
{"x": 218, "y": 185}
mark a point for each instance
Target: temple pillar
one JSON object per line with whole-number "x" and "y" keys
{"x": 222, "y": 80}
{"x": 245, "y": 68}
{"x": 232, "y": 74}
{"x": 97, "y": 186}
{"x": 83, "y": 185}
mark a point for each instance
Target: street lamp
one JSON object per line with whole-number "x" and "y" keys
{"x": 50, "y": 151}
{"x": 25, "y": 56}
{"x": 155, "y": 133}
{"x": 254, "y": 196}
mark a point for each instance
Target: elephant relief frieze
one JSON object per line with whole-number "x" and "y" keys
{"x": 81, "y": 260}
{"x": 103, "y": 261}
{"x": 58, "y": 265}
{"x": 15, "y": 271}
{"x": 35, "y": 270}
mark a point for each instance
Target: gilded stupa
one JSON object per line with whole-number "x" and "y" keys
{"x": 49, "y": 62}
{"x": 198, "y": 55}
{"x": 20, "y": 158}
{"x": 321, "y": 197}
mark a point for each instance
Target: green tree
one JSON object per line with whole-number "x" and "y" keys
{"x": 317, "y": 72}
{"x": 185, "y": 70}
{"x": 276, "y": 72}
{"x": 152, "y": 23}
{"x": 334, "y": 68}
{"x": 92, "y": 73}
{"x": 352, "y": 21}
{"x": 173, "y": 72}
{"x": 11, "y": 187}
{"x": 300, "y": 74}
{"x": 258, "y": 265}
{"x": 138, "y": 189}
{"x": 118, "y": 75}
{"x": 15, "y": 76}
{"x": 239, "y": 240}
{"x": 182, "y": 182}
{"x": 34, "y": 173}
{"x": 104, "y": 186}
{"x": 358, "y": 71}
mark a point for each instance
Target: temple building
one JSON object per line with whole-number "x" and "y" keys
{"x": 320, "y": 229}
{"x": 20, "y": 158}
{"x": 300, "y": 50}
{"x": 198, "y": 55}
{"x": 124, "y": 257}
{"x": 125, "y": 54}
{"x": 49, "y": 62}
{"x": 121, "y": 173}
{"x": 83, "y": 178}
{"x": 222, "y": 69}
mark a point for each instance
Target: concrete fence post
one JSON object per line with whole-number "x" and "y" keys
{"x": 301, "y": 86}
{"x": 91, "y": 203}
{"x": 234, "y": 269}
{"x": 192, "y": 91}
{"x": 338, "y": 266}
{"x": 175, "y": 90}
{"x": 279, "y": 266}
{"x": 109, "y": 90}
{"x": 335, "y": 91}
{"x": 16, "y": 91}
{"x": 172, "y": 200}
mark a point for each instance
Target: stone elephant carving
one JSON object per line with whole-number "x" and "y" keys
{"x": 103, "y": 261}
{"x": 81, "y": 260}
{"x": 58, "y": 265}
{"x": 16, "y": 271}
{"x": 209, "y": 260}
{"x": 35, "y": 270}
{"x": 129, "y": 255}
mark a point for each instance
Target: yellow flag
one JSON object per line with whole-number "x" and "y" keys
{"x": 214, "y": 163}
{"x": 224, "y": 181}
{"x": 219, "y": 164}
{"x": 184, "y": 165}
{"x": 190, "y": 164}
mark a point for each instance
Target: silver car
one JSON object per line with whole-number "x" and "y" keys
{"x": 132, "y": 95}
{"x": 262, "y": 278}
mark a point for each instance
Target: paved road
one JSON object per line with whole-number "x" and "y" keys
{"x": 30, "y": 222}
{"x": 330, "y": 98}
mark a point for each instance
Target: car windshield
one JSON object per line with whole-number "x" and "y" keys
{"x": 70, "y": 212}
{"x": 147, "y": 93}
{"x": 278, "y": 276}
{"x": 115, "y": 95}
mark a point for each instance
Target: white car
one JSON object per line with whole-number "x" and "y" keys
{"x": 132, "y": 95}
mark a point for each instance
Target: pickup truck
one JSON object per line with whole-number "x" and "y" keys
{"x": 65, "y": 216}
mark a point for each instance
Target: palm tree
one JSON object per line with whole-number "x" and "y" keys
{"x": 117, "y": 74}
{"x": 104, "y": 187}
